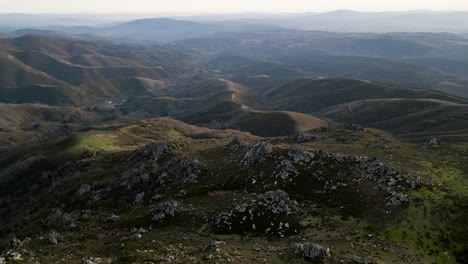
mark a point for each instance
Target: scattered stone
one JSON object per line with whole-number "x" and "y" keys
{"x": 91, "y": 260}
{"x": 257, "y": 153}
{"x": 215, "y": 244}
{"x": 164, "y": 210}
{"x": 271, "y": 213}
{"x": 310, "y": 250}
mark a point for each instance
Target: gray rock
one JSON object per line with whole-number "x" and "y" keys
{"x": 156, "y": 198}
{"x": 91, "y": 260}
{"x": 257, "y": 153}
{"x": 164, "y": 210}
{"x": 112, "y": 218}
{"x": 397, "y": 199}
{"x": 310, "y": 250}
{"x": 58, "y": 218}
{"x": 83, "y": 190}
{"x": 53, "y": 237}
{"x": 139, "y": 198}
{"x": 215, "y": 244}
{"x": 359, "y": 260}
{"x": 184, "y": 169}
{"x": 300, "y": 156}
{"x": 305, "y": 137}
{"x": 432, "y": 143}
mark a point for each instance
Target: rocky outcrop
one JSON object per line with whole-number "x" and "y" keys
{"x": 310, "y": 251}
{"x": 60, "y": 219}
{"x": 304, "y": 137}
{"x": 257, "y": 153}
{"x": 235, "y": 144}
{"x": 182, "y": 170}
{"x": 271, "y": 213}
{"x": 164, "y": 210}
{"x": 153, "y": 151}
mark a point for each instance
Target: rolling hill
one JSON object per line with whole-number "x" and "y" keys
{"x": 314, "y": 95}
{"x": 410, "y": 119}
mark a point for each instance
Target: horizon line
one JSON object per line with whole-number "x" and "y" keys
{"x": 230, "y": 13}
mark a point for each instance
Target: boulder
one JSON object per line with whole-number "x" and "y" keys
{"x": 53, "y": 237}
{"x": 112, "y": 218}
{"x": 432, "y": 143}
{"x": 164, "y": 210}
{"x": 257, "y": 153}
{"x": 139, "y": 198}
{"x": 359, "y": 260}
{"x": 310, "y": 250}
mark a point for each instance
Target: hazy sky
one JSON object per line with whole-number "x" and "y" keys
{"x": 221, "y": 6}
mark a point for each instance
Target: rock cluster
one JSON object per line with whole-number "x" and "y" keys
{"x": 164, "y": 210}
{"x": 257, "y": 153}
{"x": 60, "y": 219}
{"x": 153, "y": 151}
{"x": 91, "y": 260}
{"x": 271, "y": 213}
{"x": 310, "y": 250}
{"x": 184, "y": 169}
{"x": 137, "y": 233}
{"x": 178, "y": 169}
{"x": 304, "y": 137}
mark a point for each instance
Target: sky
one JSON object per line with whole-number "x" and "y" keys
{"x": 223, "y": 6}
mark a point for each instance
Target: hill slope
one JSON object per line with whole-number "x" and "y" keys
{"x": 310, "y": 96}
